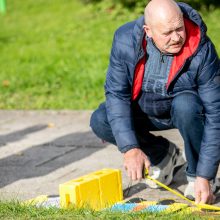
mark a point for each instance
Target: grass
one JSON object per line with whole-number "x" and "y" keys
{"x": 15, "y": 210}
{"x": 54, "y": 53}
{"x": 212, "y": 21}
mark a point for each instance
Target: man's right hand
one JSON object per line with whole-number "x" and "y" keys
{"x": 203, "y": 191}
{"x": 135, "y": 161}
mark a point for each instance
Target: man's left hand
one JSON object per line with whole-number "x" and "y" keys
{"x": 203, "y": 191}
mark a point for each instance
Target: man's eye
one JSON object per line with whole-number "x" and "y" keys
{"x": 166, "y": 34}
{"x": 179, "y": 29}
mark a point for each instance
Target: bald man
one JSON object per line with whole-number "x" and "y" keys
{"x": 164, "y": 73}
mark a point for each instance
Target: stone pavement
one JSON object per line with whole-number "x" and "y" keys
{"x": 41, "y": 149}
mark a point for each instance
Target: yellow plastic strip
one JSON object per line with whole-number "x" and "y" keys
{"x": 168, "y": 188}
{"x": 201, "y": 206}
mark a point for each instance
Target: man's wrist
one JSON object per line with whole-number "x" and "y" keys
{"x": 129, "y": 147}
{"x": 203, "y": 177}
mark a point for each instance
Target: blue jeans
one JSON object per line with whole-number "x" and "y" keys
{"x": 186, "y": 115}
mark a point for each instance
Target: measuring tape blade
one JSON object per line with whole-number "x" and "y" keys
{"x": 201, "y": 206}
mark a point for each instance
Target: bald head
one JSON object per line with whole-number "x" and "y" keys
{"x": 164, "y": 24}
{"x": 161, "y": 11}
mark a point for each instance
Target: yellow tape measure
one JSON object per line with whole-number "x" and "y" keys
{"x": 201, "y": 206}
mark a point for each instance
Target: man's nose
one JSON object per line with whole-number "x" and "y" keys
{"x": 175, "y": 36}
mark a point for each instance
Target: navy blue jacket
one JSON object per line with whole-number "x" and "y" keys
{"x": 195, "y": 69}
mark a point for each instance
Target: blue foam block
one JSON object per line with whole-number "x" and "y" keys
{"x": 123, "y": 207}
{"x": 156, "y": 208}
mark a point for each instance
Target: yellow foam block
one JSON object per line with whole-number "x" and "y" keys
{"x": 176, "y": 207}
{"x": 97, "y": 190}
{"x": 38, "y": 199}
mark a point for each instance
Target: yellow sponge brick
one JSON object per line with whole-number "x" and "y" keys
{"x": 97, "y": 190}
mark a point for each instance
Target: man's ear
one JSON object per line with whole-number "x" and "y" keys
{"x": 147, "y": 30}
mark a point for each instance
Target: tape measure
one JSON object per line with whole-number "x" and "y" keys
{"x": 200, "y": 206}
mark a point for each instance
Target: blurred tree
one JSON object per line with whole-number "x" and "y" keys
{"x": 131, "y": 4}
{"x": 2, "y": 6}
{"x": 207, "y": 4}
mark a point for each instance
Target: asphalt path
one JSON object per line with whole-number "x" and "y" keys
{"x": 41, "y": 149}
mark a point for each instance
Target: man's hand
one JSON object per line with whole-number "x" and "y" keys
{"x": 134, "y": 162}
{"x": 203, "y": 191}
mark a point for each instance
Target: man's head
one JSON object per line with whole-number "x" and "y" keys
{"x": 164, "y": 24}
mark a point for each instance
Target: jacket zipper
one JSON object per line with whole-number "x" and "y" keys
{"x": 161, "y": 57}
{"x": 177, "y": 74}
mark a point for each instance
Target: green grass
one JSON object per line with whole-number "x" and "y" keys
{"x": 15, "y": 210}
{"x": 54, "y": 53}
{"x": 212, "y": 21}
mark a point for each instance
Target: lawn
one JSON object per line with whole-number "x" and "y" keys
{"x": 54, "y": 53}
{"x": 15, "y": 210}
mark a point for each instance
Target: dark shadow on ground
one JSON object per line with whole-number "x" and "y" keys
{"x": 19, "y": 135}
{"x": 217, "y": 194}
{"x": 134, "y": 189}
{"x": 40, "y": 160}
{"x": 179, "y": 178}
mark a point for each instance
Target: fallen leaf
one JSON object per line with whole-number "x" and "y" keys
{"x": 50, "y": 125}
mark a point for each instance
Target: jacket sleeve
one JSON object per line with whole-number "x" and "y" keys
{"x": 209, "y": 91}
{"x": 118, "y": 99}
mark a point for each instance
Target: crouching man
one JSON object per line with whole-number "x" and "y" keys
{"x": 164, "y": 73}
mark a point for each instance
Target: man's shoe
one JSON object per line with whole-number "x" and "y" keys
{"x": 164, "y": 171}
{"x": 190, "y": 191}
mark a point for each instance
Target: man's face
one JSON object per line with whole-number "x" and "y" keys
{"x": 169, "y": 36}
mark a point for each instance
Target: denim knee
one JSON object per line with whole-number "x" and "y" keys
{"x": 186, "y": 108}
{"x": 100, "y": 125}
{"x": 98, "y": 119}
